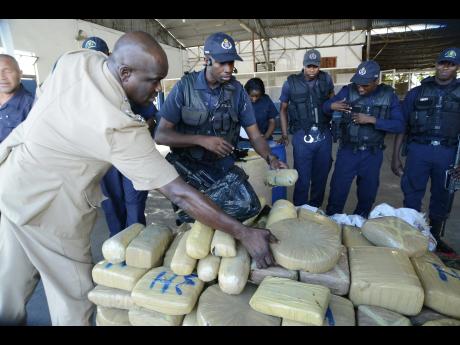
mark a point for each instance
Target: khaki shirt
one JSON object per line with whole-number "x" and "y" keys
{"x": 82, "y": 123}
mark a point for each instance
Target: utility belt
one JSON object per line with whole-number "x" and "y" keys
{"x": 373, "y": 148}
{"x": 433, "y": 142}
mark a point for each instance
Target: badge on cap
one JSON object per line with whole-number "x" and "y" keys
{"x": 362, "y": 71}
{"x": 90, "y": 44}
{"x": 312, "y": 56}
{"x": 226, "y": 44}
{"x": 450, "y": 54}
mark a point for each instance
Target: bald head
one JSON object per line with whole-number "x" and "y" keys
{"x": 139, "y": 62}
{"x": 10, "y": 74}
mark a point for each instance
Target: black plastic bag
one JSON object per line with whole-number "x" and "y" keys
{"x": 233, "y": 194}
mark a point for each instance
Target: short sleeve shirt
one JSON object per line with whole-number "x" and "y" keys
{"x": 264, "y": 110}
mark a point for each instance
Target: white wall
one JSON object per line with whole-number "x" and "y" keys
{"x": 50, "y": 38}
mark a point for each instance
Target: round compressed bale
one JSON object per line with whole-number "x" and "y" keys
{"x": 282, "y": 209}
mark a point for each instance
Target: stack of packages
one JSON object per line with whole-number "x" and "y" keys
{"x": 383, "y": 274}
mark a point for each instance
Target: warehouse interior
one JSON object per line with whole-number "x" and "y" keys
{"x": 272, "y": 49}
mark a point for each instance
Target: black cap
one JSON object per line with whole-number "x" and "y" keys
{"x": 96, "y": 43}
{"x": 451, "y": 55}
{"x": 312, "y": 57}
{"x": 221, "y": 47}
{"x": 367, "y": 72}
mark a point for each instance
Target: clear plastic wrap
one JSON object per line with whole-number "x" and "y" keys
{"x": 172, "y": 249}
{"x": 216, "y": 308}
{"x": 305, "y": 245}
{"x": 223, "y": 244}
{"x": 384, "y": 277}
{"x": 292, "y": 300}
{"x": 198, "y": 243}
{"x": 111, "y": 298}
{"x": 443, "y": 322}
{"x": 234, "y": 272}
{"x": 281, "y": 177}
{"x": 148, "y": 247}
{"x": 114, "y": 248}
{"x": 117, "y": 276}
{"x": 208, "y": 268}
{"x": 190, "y": 318}
{"x": 161, "y": 290}
{"x": 181, "y": 263}
{"x": 281, "y": 209}
{"x": 112, "y": 317}
{"x": 377, "y": 316}
{"x": 143, "y": 317}
{"x": 318, "y": 218}
{"x": 394, "y": 232}
{"x": 337, "y": 279}
{"x": 257, "y": 275}
{"x": 352, "y": 236}
{"x": 440, "y": 283}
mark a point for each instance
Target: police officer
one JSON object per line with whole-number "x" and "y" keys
{"x": 124, "y": 205}
{"x": 202, "y": 116}
{"x": 53, "y": 161}
{"x": 15, "y": 100}
{"x": 432, "y": 117}
{"x": 265, "y": 112}
{"x": 369, "y": 110}
{"x": 302, "y": 97}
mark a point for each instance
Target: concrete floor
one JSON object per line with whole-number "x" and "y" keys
{"x": 158, "y": 210}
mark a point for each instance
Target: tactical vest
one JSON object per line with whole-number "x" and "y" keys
{"x": 222, "y": 121}
{"x": 305, "y": 103}
{"x": 435, "y": 116}
{"x": 367, "y": 135}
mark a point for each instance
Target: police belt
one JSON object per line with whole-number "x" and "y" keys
{"x": 432, "y": 142}
{"x": 364, "y": 147}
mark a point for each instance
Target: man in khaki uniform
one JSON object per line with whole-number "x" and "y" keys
{"x": 51, "y": 166}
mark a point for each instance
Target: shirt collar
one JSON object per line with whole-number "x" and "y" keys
{"x": 15, "y": 101}
{"x": 201, "y": 83}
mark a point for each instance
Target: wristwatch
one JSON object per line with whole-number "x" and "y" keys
{"x": 270, "y": 158}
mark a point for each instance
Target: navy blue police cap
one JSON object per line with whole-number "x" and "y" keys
{"x": 366, "y": 73}
{"x": 451, "y": 55}
{"x": 221, "y": 47}
{"x": 96, "y": 43}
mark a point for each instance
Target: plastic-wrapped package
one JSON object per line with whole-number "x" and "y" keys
{"x": 148, "y": 247}
{"x": 112, "y": 317}
{"x": 161, "y": 290}
{"x": 199, "y": 240}
{"x": 340, "y": 312}
{"x": 337, "y": 279}
{"x": 208, "y": 268}
{"x": 318, "y": 218}
{"x": 377, "y": 316}
{"x": 291, "y": 300}
{"x": 190, "y": 318}
{"x": 306, "y": 246}
{"x": 440, "y": 283}
{"x": 234, "y": 272}
{"x": 172, "y": 249}
{"x": 352, "y": 236}
{"x": 425, "y": 315}
{"x": 216, "y": 308}
{"x": 443, "y": 322}
{"x": 143, "y": 317}
{"x": 111, "y": 298}
{"x": 223, "y": 245}
{"x": 281, "y": 209}
{"x": 257, "y": 275}
{"x": 281, "y": 177}
{"x": 117, "y": 276}
{"x": 395, "y": 233}
{"x": 181, "y": 263}
{"x": 250, "y": 221}
{"x": 384, "y": 277}
{"x": 114, "y": 248}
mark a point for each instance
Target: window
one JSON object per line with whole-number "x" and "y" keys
{"x": 262, "y": 66}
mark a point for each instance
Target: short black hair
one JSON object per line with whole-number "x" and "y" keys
{"x": 255, "y": 84}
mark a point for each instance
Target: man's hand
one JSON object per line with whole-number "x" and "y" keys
{"x": 362, "y": 119}
{"x": 256, "y": 241}
{"x": 217, "y": 145}
{"x": 341, "y": 106}
{"x": 456, "y": 173}
{"x": 275, "y": 163}
{"x": 284, "y": 140}
{"x": 397, "y": 167}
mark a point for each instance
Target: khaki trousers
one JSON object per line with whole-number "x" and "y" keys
{"x": 27, "y": 254}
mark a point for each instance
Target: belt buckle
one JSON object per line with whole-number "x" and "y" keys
{"x": 435, "y": 142}
{"x": 362, "y": 148}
